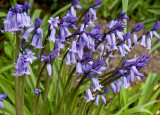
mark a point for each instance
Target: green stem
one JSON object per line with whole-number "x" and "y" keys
{"x": 35, "y": 107}
{"x": 66, "y": 88}
{"x": 45, "y": 94}
{"x": 3, "y": 111}
{"x": 59, "y": 75}
{"x": 91, "y": 108}
{"x": 74, "y": 93}
{"x": 17, "y": 79}
{"x": 22, "y": 94}
{"x": 75, "y": 105}
{"x": 81, "y": 107}
{"x": 110, "y": 105}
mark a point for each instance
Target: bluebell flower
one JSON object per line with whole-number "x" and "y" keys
{"x": 113, "y": 46}
{"x": 107, "y": 49}
{"x": 143, "y": 40}
{"x": 27, "y": 33}
{"x": 49, "y": 69}
{"x": 73, "y": 11}
{"x": 58, "y": 44}
{"x": 23, "y": 61}
{"x": 73, "y": 47}
{"x": 119, "y": 35}
{"x": 29, "y": 56}
{"x": 68, "y": 59}
{"x": 108, "y": 38}
{"x": 106, "y": 62}
{"x": 125, "y": 81}
{"x": 127, "y": 35}
{"x": 2, "y": 97}
{"x": 96, "y": 85}
{"x": 97, "y": 100}
{"x": 69, "y": 21}
{"x": 156, "y": 26}
{"x": 103, "y": 99}
{"x": 123, "y": 49}
{"x": 80, "y": 47}
{"x": 118, "y": 84}
{"x": 38, "y": 35}
{"x": 135, "y": 64}
{"x": 116, "y": 25}
{"x": 96, "y": 33}
{"x": 101, "y": 48}
{"x": 37, "y": 91}
{"x": 156, "y": 35}
{"x": 89, "y": 95}
{"x": 53, "y": 23}
{"x": 76, "y": 4}
{"x": 135, "y": 39}
{"x": 93, "y": 13}
{"x": 97, "y": 4}
{"x": 79, "y": 68}
{"x": 97, "y": 66}
{"x": 73, "y": 57}
{"x": 87, "y": 20}
{"x": 17, "y": 18}
{"x": 148, "y": 42}
{"x": 87, "y": 57}
{"x": 113, "y": 87}
{"x": 138, "y": 27}
{"x": 123, "y": 15}
{"x": 106, "y": 90}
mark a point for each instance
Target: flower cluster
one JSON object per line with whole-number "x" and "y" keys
{"x": 23, "y": 61}
{"x": 17, "y": 18}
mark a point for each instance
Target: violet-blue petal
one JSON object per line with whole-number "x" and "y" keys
{"x": 143, "y": 40}
{"x": 96, "y": 85}
{"x": 1, "y": 105}
{"x": 148, "y": 43}
{"x": 52, "y": 36}
{"x": 89, "y": 95}
{"x": 73, "y": 58}
{"x": 103, "y": 99}
{"x": 119, "y": 35}
{"x": 49, "y": 69}
{"x": 97, "y": 100}
{"x": 39, "y": 43}
{"x": 156, "y": 35}
{"x": 113, "y": 87}
{"x": 68, "y": 59}
{"x": 34, "y": 40}
{"x": 135, "y": 39}
{"x": 93, "y": 13}
{"x": 27, "y": 33}
{"x": 79, "y": 68}
{"x": 138, "y": 27}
